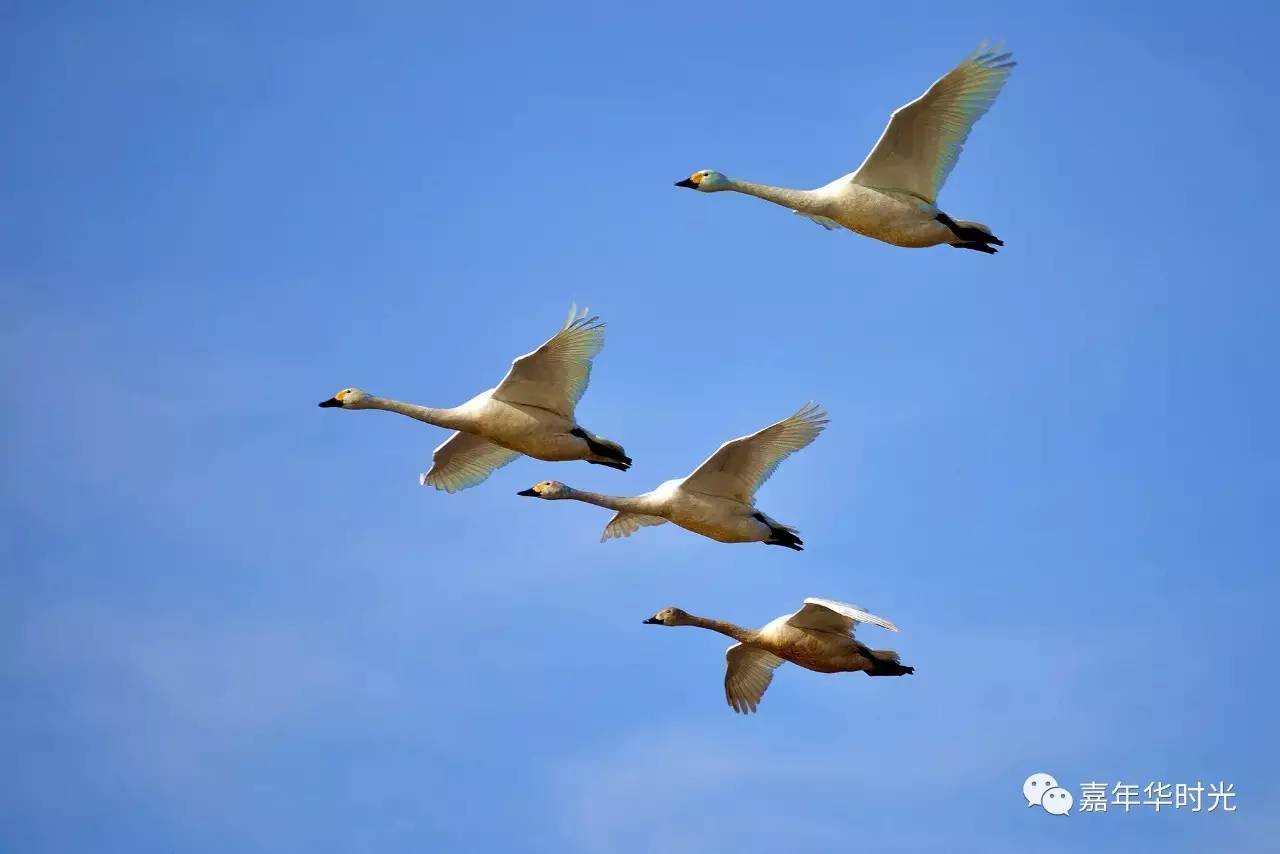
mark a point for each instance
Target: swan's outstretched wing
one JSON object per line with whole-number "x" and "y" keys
{"x": 554, "y": 376}
{"x": 463, "y": 460}
{"x": 827, "y": 615}
{"x": 747, "y": 674}
{"x": 738, "y": 468}
{"x": 920, "y": 146}
{"x": 625, "y": 524}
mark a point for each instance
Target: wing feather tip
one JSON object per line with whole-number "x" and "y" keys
{"x": 438, "y": 484}
{"x": 867, "y": 617}
{"x": 813, "y": 413}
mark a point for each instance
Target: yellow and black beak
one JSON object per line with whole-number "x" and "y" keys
{"x": 330, "y": 403}
{"x": 653, "y": 621}
{"x": 527, "y": 493}
{"x": 688, "y": 183}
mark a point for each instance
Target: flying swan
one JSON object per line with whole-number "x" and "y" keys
{"x": 818, "y": 637}
{"x": 718, "y": 499}
{"x": 893, "y": 195}
{"x": 530, "y": 412}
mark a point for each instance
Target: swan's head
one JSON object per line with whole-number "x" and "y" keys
{"x": 668, "y": 617}
{"x": 348, "y": 398}
{"x": 548, "y": 489}
{"x": 706, "y": 180}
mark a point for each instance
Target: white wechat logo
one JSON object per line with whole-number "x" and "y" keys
{"x": 1057, "y": 801}
{"x": 1035, "y": 787}
{"x": 1042, "y": 790}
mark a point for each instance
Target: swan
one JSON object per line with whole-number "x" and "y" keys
{"x": 818, "y": 637}
{"x": 718, "y": 499}
{"x": 530, "y": 412}
{"x": 893, "y": 195}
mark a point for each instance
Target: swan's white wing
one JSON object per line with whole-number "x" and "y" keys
{"x": 463, "y": 460}
{"x": 740, "y": 466}
{"x": 554, "y": 376}
{"x": 625, "y": 524}
{"x": 920, "y": 146}
{"x": 827, "y": 615}
{"x": 747, "y": 674}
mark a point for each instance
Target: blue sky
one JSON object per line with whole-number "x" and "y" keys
{"x": 234, "y": 621}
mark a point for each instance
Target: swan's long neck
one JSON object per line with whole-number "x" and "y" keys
{"x": 621, "y": 503}
{"x": 800, "y": 200}
{"x": 446, "y": 418}
{"x": 736, "y": 632}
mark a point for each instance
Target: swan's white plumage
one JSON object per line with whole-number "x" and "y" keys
{"x": 739, "y": 467}
{"x": 464, "y": 460}
{"x": 892, "y": 196}
{"x": 718, "y": 499}
{"x": 825, "y": 221}
{"x": 827, "y": 615}
{"x": 624, "y": 524}
{"x": 531, "y": 412}
{"x": 818, "y": 637}
{"x": 748, "y": 672}
{"x": 554, "y": 376}
{"x": 923, "y": 139}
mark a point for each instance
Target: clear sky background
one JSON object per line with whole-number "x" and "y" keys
{"x": 235, "y": 622}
